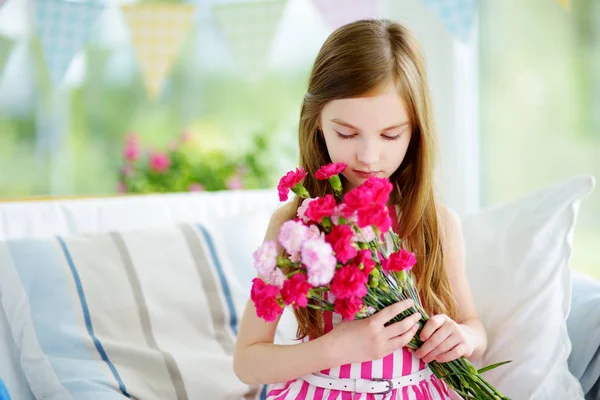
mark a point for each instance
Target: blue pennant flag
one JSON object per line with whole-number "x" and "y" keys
{"x": 64, "y": 27}
{"x": 458, "y": 15}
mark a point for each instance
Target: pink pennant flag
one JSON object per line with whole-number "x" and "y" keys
{"x": 341, "y": 12}
{"x": 2, "y": 2}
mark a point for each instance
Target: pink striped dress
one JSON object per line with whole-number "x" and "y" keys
{"x": 400, "y": 363}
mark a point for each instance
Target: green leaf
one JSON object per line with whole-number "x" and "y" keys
{"x": 490, "y": 367}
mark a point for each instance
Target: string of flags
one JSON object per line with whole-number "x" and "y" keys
{"x": 158, "y": 31}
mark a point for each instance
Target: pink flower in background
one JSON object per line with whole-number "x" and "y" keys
{"x": 340, "y": 238}
{"x": 265, "y": 259}
{"x": 348, "y": 308}
{"x": 288, "y": 181}
{"x": 186, "y": 136}
{"x": 121, "y": 187}
{"x": 320, "y": 262}
{"x": 302, "y": 210}
{"x": 399, "y": 261}
{"x": 235, "y": 183}
{"x": 196, "y": 187}
{"x": 132, "y": 148}
{"x": 159, "y": 162}
{"x": 128, "y": 170}
{"x": 292, "y": 236}
{"x": 329, "y": 170}
{"x": 294, "y": 291}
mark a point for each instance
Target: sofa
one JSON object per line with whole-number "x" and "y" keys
{"x": 141, "y": 296}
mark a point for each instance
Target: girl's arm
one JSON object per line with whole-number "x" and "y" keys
{"x": 258, "y": 361}
{"x": 445, "y": 339}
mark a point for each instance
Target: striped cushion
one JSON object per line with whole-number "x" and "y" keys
{"x": 149, "y": 314}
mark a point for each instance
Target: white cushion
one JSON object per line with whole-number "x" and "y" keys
{"x": 150, "y": 313}
{"x": 94, "y": 215}
{"x": 518, "y": 267}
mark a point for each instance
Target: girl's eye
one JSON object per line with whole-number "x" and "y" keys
{"x": 341, "y": 135}
{"x": 396, "y": 137}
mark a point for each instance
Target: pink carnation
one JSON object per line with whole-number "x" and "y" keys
{"x": 301, "y": 213}
{"x": 277, "y": 278}
{"x": 160, "y": 162}
{"x": 365, "y": 257}
{"x": 365, "y": 234}
{"x": 295, "y": 290}
{"x": 356, "y": 199}
{"x": 292, "y": 236}
{"x": 349, "y": 281}
{"x": 264, "y": 297}
{"x": 320, "y": 208}
{"x": 340, "y": 238}
{"x": 380, "y": 189}
{"x": 376, "y": 215}
{"x": 329, "y": 170}
{"x": 265, "y": 259}
{"x": 288, "y": 181}
{"x": 320, "y": 263}
{"x": 315, "y": 233}
{"x": 348, "y": 308}
{"x": 399, "y": 261}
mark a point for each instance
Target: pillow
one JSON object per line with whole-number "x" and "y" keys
{"x": 3, "y": 392}
{"x": 517, "y": 265}
{"x": 150, "y": 314}
{"x": 584, "y": 330}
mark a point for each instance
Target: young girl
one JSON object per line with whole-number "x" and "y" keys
{"x": 368, "y": 106}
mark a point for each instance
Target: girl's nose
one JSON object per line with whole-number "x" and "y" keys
{"x": 367, "y": 153}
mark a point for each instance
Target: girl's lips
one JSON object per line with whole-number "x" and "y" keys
{"x": 365, "y": 174}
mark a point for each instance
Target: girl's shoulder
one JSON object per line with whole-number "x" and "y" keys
{"x": 284, "y": 213}
{"x": 449, "y": 224}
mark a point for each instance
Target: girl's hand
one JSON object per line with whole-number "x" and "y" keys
{"x": 368, "y": 339}
{"x": 444, "y": 340}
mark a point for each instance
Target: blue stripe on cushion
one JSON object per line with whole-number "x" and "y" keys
{"x": 226, "y": 291}
{"x": 233, "y": 323}
{"x": 39, "y": 264}
{"x": 88, "y": 319}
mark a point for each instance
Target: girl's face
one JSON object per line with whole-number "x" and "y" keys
{"x": 370, "y": 134}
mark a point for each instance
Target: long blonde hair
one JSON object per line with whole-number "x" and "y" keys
{"x": 356, "y": 59}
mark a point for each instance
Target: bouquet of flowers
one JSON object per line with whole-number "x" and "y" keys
{"x": 343, "y": 244}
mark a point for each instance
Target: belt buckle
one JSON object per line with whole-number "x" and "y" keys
{"x": 388, "y": 381}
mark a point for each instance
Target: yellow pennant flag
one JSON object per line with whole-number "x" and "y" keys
{"x": 157, "y": 33}
{"x": 564, "y": 3}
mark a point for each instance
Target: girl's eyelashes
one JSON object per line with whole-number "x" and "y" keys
{"x": 396, "y": 137}
{"x": 342, "y": 136}
{"x": 350, "y": 136}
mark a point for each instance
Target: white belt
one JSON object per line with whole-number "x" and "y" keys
{"x": 374, "y": 385}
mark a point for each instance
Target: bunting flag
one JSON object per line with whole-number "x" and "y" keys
{"x": 248, "y": 29}
{"x": 157, "y": 33}
{"x": 565, "y": 4}
{"x": 2, "y": 3}
{"x": 64, "y": 27}
{"x": 457, "y": 15}
{"x": 341, "y": 12}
